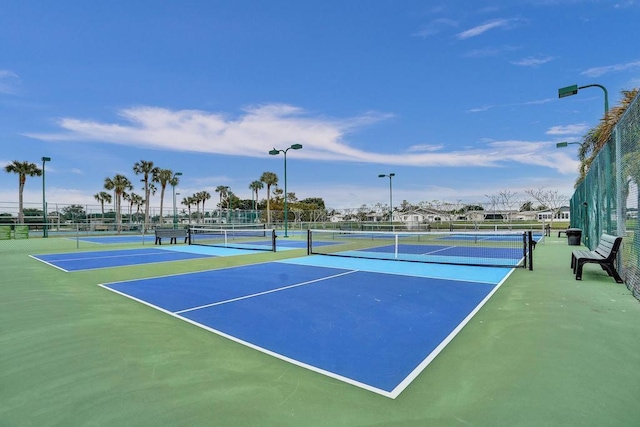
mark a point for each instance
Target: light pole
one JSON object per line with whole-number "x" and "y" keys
{"x": 564, "y": 144}
{"x": 174, "y": 182}
{"x": 45, "y": 232}
{"x": 229, "y": 206}
{"x": 563, "y": 92}
{"x": 275, "y": 152}
{"x": 391, "y": 175}
{"x": 572, "y": 90}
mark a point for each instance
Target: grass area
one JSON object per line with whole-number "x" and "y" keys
{"x": 545, "y": 350}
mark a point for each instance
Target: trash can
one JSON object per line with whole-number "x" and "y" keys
{"x": 574, "y": 236}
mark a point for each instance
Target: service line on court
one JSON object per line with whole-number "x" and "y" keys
{"x": 266, "y": 292}
{"x": 438, "y": 250}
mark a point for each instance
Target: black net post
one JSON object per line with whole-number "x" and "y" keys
{"x": 273, "y": 240}
{"x": 524, "y": 248}
{"x": 530, "y": 238}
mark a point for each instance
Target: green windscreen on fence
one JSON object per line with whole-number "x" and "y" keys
{"x": 5, "y": 232}
{"x": 607, "y": 200}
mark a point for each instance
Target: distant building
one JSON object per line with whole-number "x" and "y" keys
{"x": 563, "y": 214}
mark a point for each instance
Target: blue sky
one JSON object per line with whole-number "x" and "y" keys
{"x": 457, "y": 98}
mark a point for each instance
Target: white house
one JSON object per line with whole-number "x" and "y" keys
{"x": 563, "y": 214}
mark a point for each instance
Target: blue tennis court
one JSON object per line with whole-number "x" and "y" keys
{"x": 114, "y": 240}
{"x": 373, "y": 324}
{"x": 508, "y": 257}
{"x": 78, "y": 261}
{"x": 487, "y": 237}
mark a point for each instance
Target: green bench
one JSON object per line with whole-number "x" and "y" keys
{"x": 173, "y": 234}
{"x": 604, "y": 255}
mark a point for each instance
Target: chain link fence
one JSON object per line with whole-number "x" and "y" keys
{"x": 607, "y": 200}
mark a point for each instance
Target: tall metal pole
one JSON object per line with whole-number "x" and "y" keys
{"x": 173, "y": 184}
{"x": 175, "y": 216}
{"x": 45, "y": 232}
{"x": 391, "y": 200}
{"x": 606, "y": 95}
{"x": 391, "y": 175}
{"x": 286, "y": 209}
{"x": 275, "y": 152}
{"x": 230, "y": 204}
{"x": 254, "y": 206}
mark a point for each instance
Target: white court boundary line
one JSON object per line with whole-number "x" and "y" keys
{"x": 266, "y": 292}
{"x": 168, "y": 252}
{"x": 392, "y": 394}
{"x": 48, "y": 263}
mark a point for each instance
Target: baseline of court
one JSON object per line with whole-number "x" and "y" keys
{"x": 373, "y": 329}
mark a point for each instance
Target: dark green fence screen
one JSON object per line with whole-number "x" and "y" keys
{"x": 607, "y": 200}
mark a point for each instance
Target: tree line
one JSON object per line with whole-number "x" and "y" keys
{"x": 119, "y": 188}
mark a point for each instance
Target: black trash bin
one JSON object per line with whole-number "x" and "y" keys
{"x": 574, "y": 236}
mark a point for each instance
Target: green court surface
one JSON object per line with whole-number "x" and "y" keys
{"x": 545, "y": 350}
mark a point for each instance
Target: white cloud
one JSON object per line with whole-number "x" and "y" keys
{"x": 490, "y": 51}
{"x": 532, "y": 62}
{"x": 9, "y": 82}
{"x": 599, "y": 71}
{"x": 435, "y": 27}
{"x": 480, "y": 109}
{"x": 425, "y": 147}
{"x": 481, "y": 29}
{"x": 517, "y": 104}
{"x": 574, "y": 129}
{"x": 624, "y": 4}
{"x": 252, "y": 133}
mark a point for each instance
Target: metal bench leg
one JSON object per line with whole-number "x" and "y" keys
{"x": 612, "y": 272}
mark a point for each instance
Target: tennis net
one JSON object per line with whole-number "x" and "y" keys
{"x": 259, "y": 239}
{"x": 503, "y": 249}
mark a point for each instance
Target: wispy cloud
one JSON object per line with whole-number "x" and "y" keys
{"x": 624, "y": 4}
{"x": 490, "y": 51}
{"x": 574, "y": 129}
{"x": 436, "y": 26}
{"x": 516, "y": 104}
{"x": 599, "y": 71}
{"x": 481, "y": 29}
{"x": 481, "y": 109}
{"x": 533, "y": 62}
{"x": 259, "y": 128}
{"x": 425, "y": 148}
{"x": 9, "y": 82}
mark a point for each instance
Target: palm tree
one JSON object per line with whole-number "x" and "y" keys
{"x": 138, "y": 201}
{"x": 222, "y": 189}
{"x": 119, "y": 184}
{"x": 102, "y": 197}
{"x": 127, "y": 197}
{"x": 148, "y": 171}
{"x": 134, "y": 200}
{"x": 204, "y": 196}
{"x": 175, "y": 180}
{"x": 598, "y": 136}
{"x": 22, "y": 169}
{"x": 188, "y": 201}
{"x": 197, "y": 198}
{"x": 162, "y": 177}
{"x": 269, "y": 178}
{"x": 254, "y": 187}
